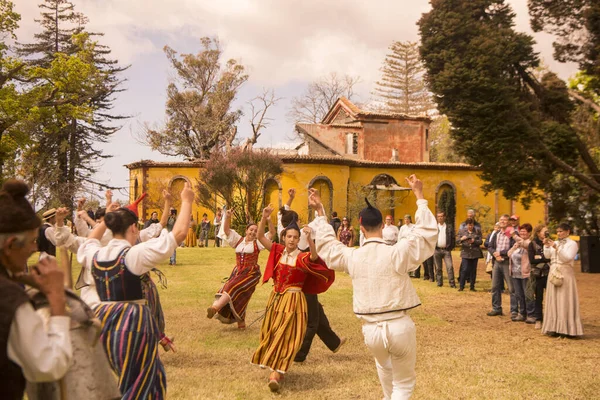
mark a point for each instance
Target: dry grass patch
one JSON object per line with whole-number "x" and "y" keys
{"x": 462, "y": 353}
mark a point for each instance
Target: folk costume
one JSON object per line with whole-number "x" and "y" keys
{"x": 130, "y": 332}
{"x": 243, "y": 279}
{"x": 383, "y": 292}
{"x": 46, "y": 238}
{"x": 284, "y": 326}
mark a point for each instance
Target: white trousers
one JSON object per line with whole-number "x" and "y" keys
{"x": 394, "y": 345}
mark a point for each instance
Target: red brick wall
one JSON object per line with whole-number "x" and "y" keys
{"x": 408, "y": 137}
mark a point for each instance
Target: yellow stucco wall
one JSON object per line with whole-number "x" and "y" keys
{"x": 300, "y": 175}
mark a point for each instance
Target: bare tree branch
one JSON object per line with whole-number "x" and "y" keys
{"x": 258, "y": 115}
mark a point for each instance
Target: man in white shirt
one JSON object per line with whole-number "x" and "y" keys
{"x": 382, "y": 291}
{"x": 443, "y": 251}
{"x": 31, "y": 351}
{"x": 390, "y": 231}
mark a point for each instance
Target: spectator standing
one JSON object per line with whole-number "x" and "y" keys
{"x": 404, "y": 231}
{"x": 204, "y": 230}
{"x": 540, "y": 266}
{"x": 443, "y": 251}
{"x": 390, "y": 231}
{"x": 346, "y": 233}
{"x": 190, "y": 239}
{"x": 470, "y": 215}
{"x": 170, "y": 225}
{"x": 470, "y": 241}
{"x": 519, "y": 273}
{"x": 335, "y": 221}
{"x": 561, "y": 314}
{"x": 498, "y": 247}
{"x": 217, "y": 225}
{"x": 153, "y": 220}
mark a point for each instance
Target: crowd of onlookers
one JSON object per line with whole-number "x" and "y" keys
{"x": 521, "y": 259}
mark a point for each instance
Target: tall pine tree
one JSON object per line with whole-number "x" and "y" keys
{"x": 66, "y": 138}
{"x": 402, "y": 87}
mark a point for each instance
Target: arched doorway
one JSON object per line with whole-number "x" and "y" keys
{"x": 325, "y": 188}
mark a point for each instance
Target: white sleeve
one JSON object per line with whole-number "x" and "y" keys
{"x": 64, "y": 238}
{"x": 567, "y": 253}
{"x": 335, "y": 254}
{"x": 50, "y": 234}
{"x": 419, "y": 241}
{"x": 81, "y": 226}
{"x": 142, "y": 257}
{"x": 43, "y": 356}
{"x": 152, "y": 231}
{"x": 232, "y": 239}
{"x": 549, "y": 251}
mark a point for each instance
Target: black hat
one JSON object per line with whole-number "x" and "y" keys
{"x": 293, "y": 224}
{"x": 17, "y": 214}
{"x": 370, "y": 217}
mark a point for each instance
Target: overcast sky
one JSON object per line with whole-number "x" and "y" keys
{"x": 285, "y": 45}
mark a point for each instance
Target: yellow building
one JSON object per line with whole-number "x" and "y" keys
{"x": 335, "y": 158}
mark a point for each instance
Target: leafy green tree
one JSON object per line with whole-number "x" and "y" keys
{"x": 402, "y": 88}
{"x": 239, "y": 178}
{"x": 79, "y": 114}
{"x": 441, "y": 144}
{"x": 199, "y": 111}
{"x": 516, "y": 128}
{"x": 575, "y": 25}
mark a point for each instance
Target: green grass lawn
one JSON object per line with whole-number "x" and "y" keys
{"x": 462, "y": 353}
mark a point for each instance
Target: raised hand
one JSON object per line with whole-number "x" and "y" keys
{"x": 228, "y": 213}
{"x": 314, "y": 199}
{"x": 416, "y": 185}
{"x": 80, "y": 203}
{"x": 187, "y": 194}
{"x": 61, "y": 213}
{"x": 292, "y": 193}
{"x": 307, "y": 231}
{"x": 114, "y": 206}
{"x": 167, "y": 196}
{"x": 267, "y": 211}
{"x": 108, "y": 195}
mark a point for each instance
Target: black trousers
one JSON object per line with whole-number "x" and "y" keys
{"x": 428, "y": 271}
{"x": 318, "y": 324}
{"x": 468, "y": 272}
{"x": 540, "y": 286}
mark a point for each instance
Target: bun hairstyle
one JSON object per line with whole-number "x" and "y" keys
{"x": 17, "y": 213}
{"x": 119, "y": 221}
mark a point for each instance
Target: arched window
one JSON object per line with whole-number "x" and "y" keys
{"x": 136, "y": 189}
{"x": 325, "y": 187}
{"x": 272, "y": 193}
{"x": 385, "y": 187}
{"x": 445, "y": 200}
{"x": 175, "y": 187}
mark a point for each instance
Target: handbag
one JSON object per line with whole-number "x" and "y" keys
{"x": 489, "y": 266}
{"x": 556, "y": 278}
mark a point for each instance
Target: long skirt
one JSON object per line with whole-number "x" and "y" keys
{"x": 240, "y": 286}
{"x": 282, "y": 331}
{"x": 190, "y": 239}
{"x": 130, "y": 338}
{"x": 561, "y": 313}
{"x": 153, "y": 300}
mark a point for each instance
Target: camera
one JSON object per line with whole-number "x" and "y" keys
{"x": 547, "y": 235}
{"x": 173, "y": 212}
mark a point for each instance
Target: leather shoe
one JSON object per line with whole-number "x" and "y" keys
{"x": 342, "y": 341}
{"x": 493, "y": 313}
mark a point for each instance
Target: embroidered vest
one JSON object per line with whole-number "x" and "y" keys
{"x": 43, "y": 243}
{"x": 12, "y": 381}
{"x": 114, "y": 282}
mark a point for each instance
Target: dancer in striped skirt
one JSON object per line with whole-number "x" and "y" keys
{"x": 233, "y": 297}
{"x": 130, "y": 333}
{"x": 293, "y": 272}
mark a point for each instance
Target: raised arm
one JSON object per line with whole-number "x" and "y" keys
{"x": 182, "y": 224}
{"x": 227, "y": 222}
{"x": 311, "y": 244}
{"x": 291, "y": 197}
{"x": 261, "y": 228}
{"x": 108, "y": 196}
{"x": 335, "y": 254}
{"x": 100, "y": 228}
{"x": 166, "y": 207}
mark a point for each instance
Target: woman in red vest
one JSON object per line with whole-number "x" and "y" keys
{"x": 293, "y": 272}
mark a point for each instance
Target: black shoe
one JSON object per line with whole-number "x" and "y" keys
{"x": 473, "y": 289}
{"x": 440, "y": 285}
{"x": 425, "y": 278}
{"x": 453, "y": 286}
{"x": 493, "y": 313}
{"x": 461, "y": 289}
